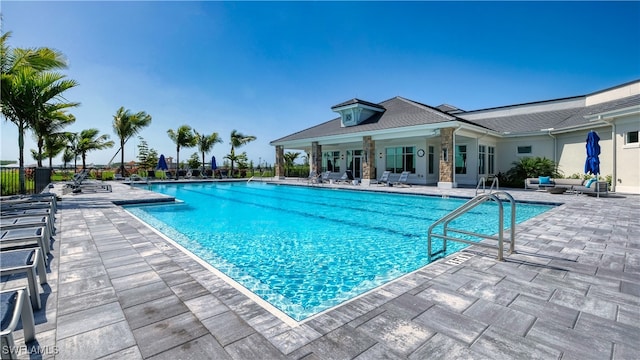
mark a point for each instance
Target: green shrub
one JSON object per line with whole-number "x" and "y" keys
{"x": 528, "y": 168}
{"x": 108, "y": 175}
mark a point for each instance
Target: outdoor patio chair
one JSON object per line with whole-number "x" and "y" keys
{"x": 384, "y": 179}
{"x": 7, "y": 223}
{"x": 325, "y": 176}
{"x": 14, "y": 307}
{"x": 312, "y": 178}
{"x": 20, "y": 213}
{"x": 24, "y": 238}
{"x": 404, "y": 177}
{"x": 347, "y": 177}
{"x": 41, "y": 197}
{"x": 29, "y": 262}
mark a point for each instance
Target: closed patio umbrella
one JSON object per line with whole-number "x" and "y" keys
{"x": 214, "y": 166}
{"x": 592, "y": 164}
{"x": 162, "y": 164}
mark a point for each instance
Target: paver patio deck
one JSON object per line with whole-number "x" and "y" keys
{"x": 118, "y": 290}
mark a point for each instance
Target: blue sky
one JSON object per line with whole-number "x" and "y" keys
{"x": 269, "y": 69}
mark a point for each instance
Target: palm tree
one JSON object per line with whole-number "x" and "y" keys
{"x": 205, "y": 144}
{"x": 89, "y": 141}
{"x": 183, "y": 137}
{"x": 126, "y": 125}
{"x": 238, "y": 140}
{"x": 23, "y": 78}
{"x": 71, "y": 153}
{"x": 48, "y": 124}
{"x": 289, "y": 159}
{"x": 54, "y": 144}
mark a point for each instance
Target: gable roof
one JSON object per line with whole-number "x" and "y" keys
{"x": 563, "y": 118}
{"x": 357, "y": 101}
{"x": 562, "y": 114}
{"x": 399, "y": 112}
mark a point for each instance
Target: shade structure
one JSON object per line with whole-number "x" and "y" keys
{"x": 213, "y": 163}
{"x": 162, "y": 163}
{"x": 592, "y": 164}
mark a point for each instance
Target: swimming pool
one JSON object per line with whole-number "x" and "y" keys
{"x": 307, "y": 249}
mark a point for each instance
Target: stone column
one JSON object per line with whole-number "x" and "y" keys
{"x": 368, "y": 160}
{"x": 316, "y": 157}
{"x": 445, "y": 179}
{"x": 280, "y": 162}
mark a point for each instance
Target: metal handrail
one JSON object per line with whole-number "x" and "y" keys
{"x": 482, "y": 181}
{"x": 495, "y": 182}
{"x": 445, "y": 220}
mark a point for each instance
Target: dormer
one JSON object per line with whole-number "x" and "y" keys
{"x": 355, "y": 111}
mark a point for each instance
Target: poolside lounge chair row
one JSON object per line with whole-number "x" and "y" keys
{"x": 348, "y": 178}
{"x": 386, "y": 181}
{"x": 26, "y": 230}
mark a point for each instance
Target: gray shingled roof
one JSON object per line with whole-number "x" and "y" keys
{"x": 557, "y": 119}
{"x": 399, "y": 112}
{"x": 358, "y": 101}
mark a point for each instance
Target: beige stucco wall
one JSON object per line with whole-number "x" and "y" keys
{"x": 628, "y": 156}
{"x": 507, "y": 148}
{"x": 573, "y": 151}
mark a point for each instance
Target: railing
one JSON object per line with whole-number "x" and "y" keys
{"x": 35, "y": 179}
{"x": 482, "y": 182}
{"x": 445, "y": 220}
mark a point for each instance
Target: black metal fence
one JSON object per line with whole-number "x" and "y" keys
{"x": 36, "y": 180}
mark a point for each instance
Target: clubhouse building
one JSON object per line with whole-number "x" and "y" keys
{"x": 449, "y": 147}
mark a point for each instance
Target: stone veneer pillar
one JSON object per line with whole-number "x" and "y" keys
{"x": 369, "y": 160}
{"x": 316, "y": 157}
{"x": 445, "y": 179}
{"x": 279, "y": 161}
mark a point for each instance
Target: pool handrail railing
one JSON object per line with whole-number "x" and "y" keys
{"x": 479, "y": 199}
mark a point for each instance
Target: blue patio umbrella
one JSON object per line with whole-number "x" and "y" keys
{"x": 592, "y": 165}
{"x": 213, "y": 163}
{"x": 162, "y": 164}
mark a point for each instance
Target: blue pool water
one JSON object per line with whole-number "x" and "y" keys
{"x": 303, "y": 249}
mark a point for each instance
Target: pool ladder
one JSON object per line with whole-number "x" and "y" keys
{"x": 483, "y": 182}
{"x": 499, "y": 197}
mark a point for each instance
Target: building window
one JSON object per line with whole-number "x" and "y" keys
{"x": 331, "y": 161}
{"x": 523, "y": 150}
{"x": 631, "y": 137}
{"x": 482, "y": 155}
{"x": 492, "y": 159}
{"x": 432, "y": 158}
{"x": 401, "y": 159}
{"x": 461, "y": 159}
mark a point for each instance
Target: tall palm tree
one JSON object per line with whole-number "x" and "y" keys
{"x": 127, "y": 125}
{"x": 289, "y": 159}
{"x": 48, "y": 124}
{"x": 54, "y": 144}
{"x": 71, "y": 153}
{"x": 183, "y": 137}
{"x": 90, "y": 141}
{"x": 205, "y": 144}
{"x": 21, "y": 87}
{"x": 238, "y": 140}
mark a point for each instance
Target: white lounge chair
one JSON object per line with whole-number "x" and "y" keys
{"x": 15, "y": 307}
{"x": 325, "y": 176}
{"x": 312, "y": 178}
{"x": 347, "y": 177}
{"x": 384, "y": 179}
{"x": 404, "y": 177}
